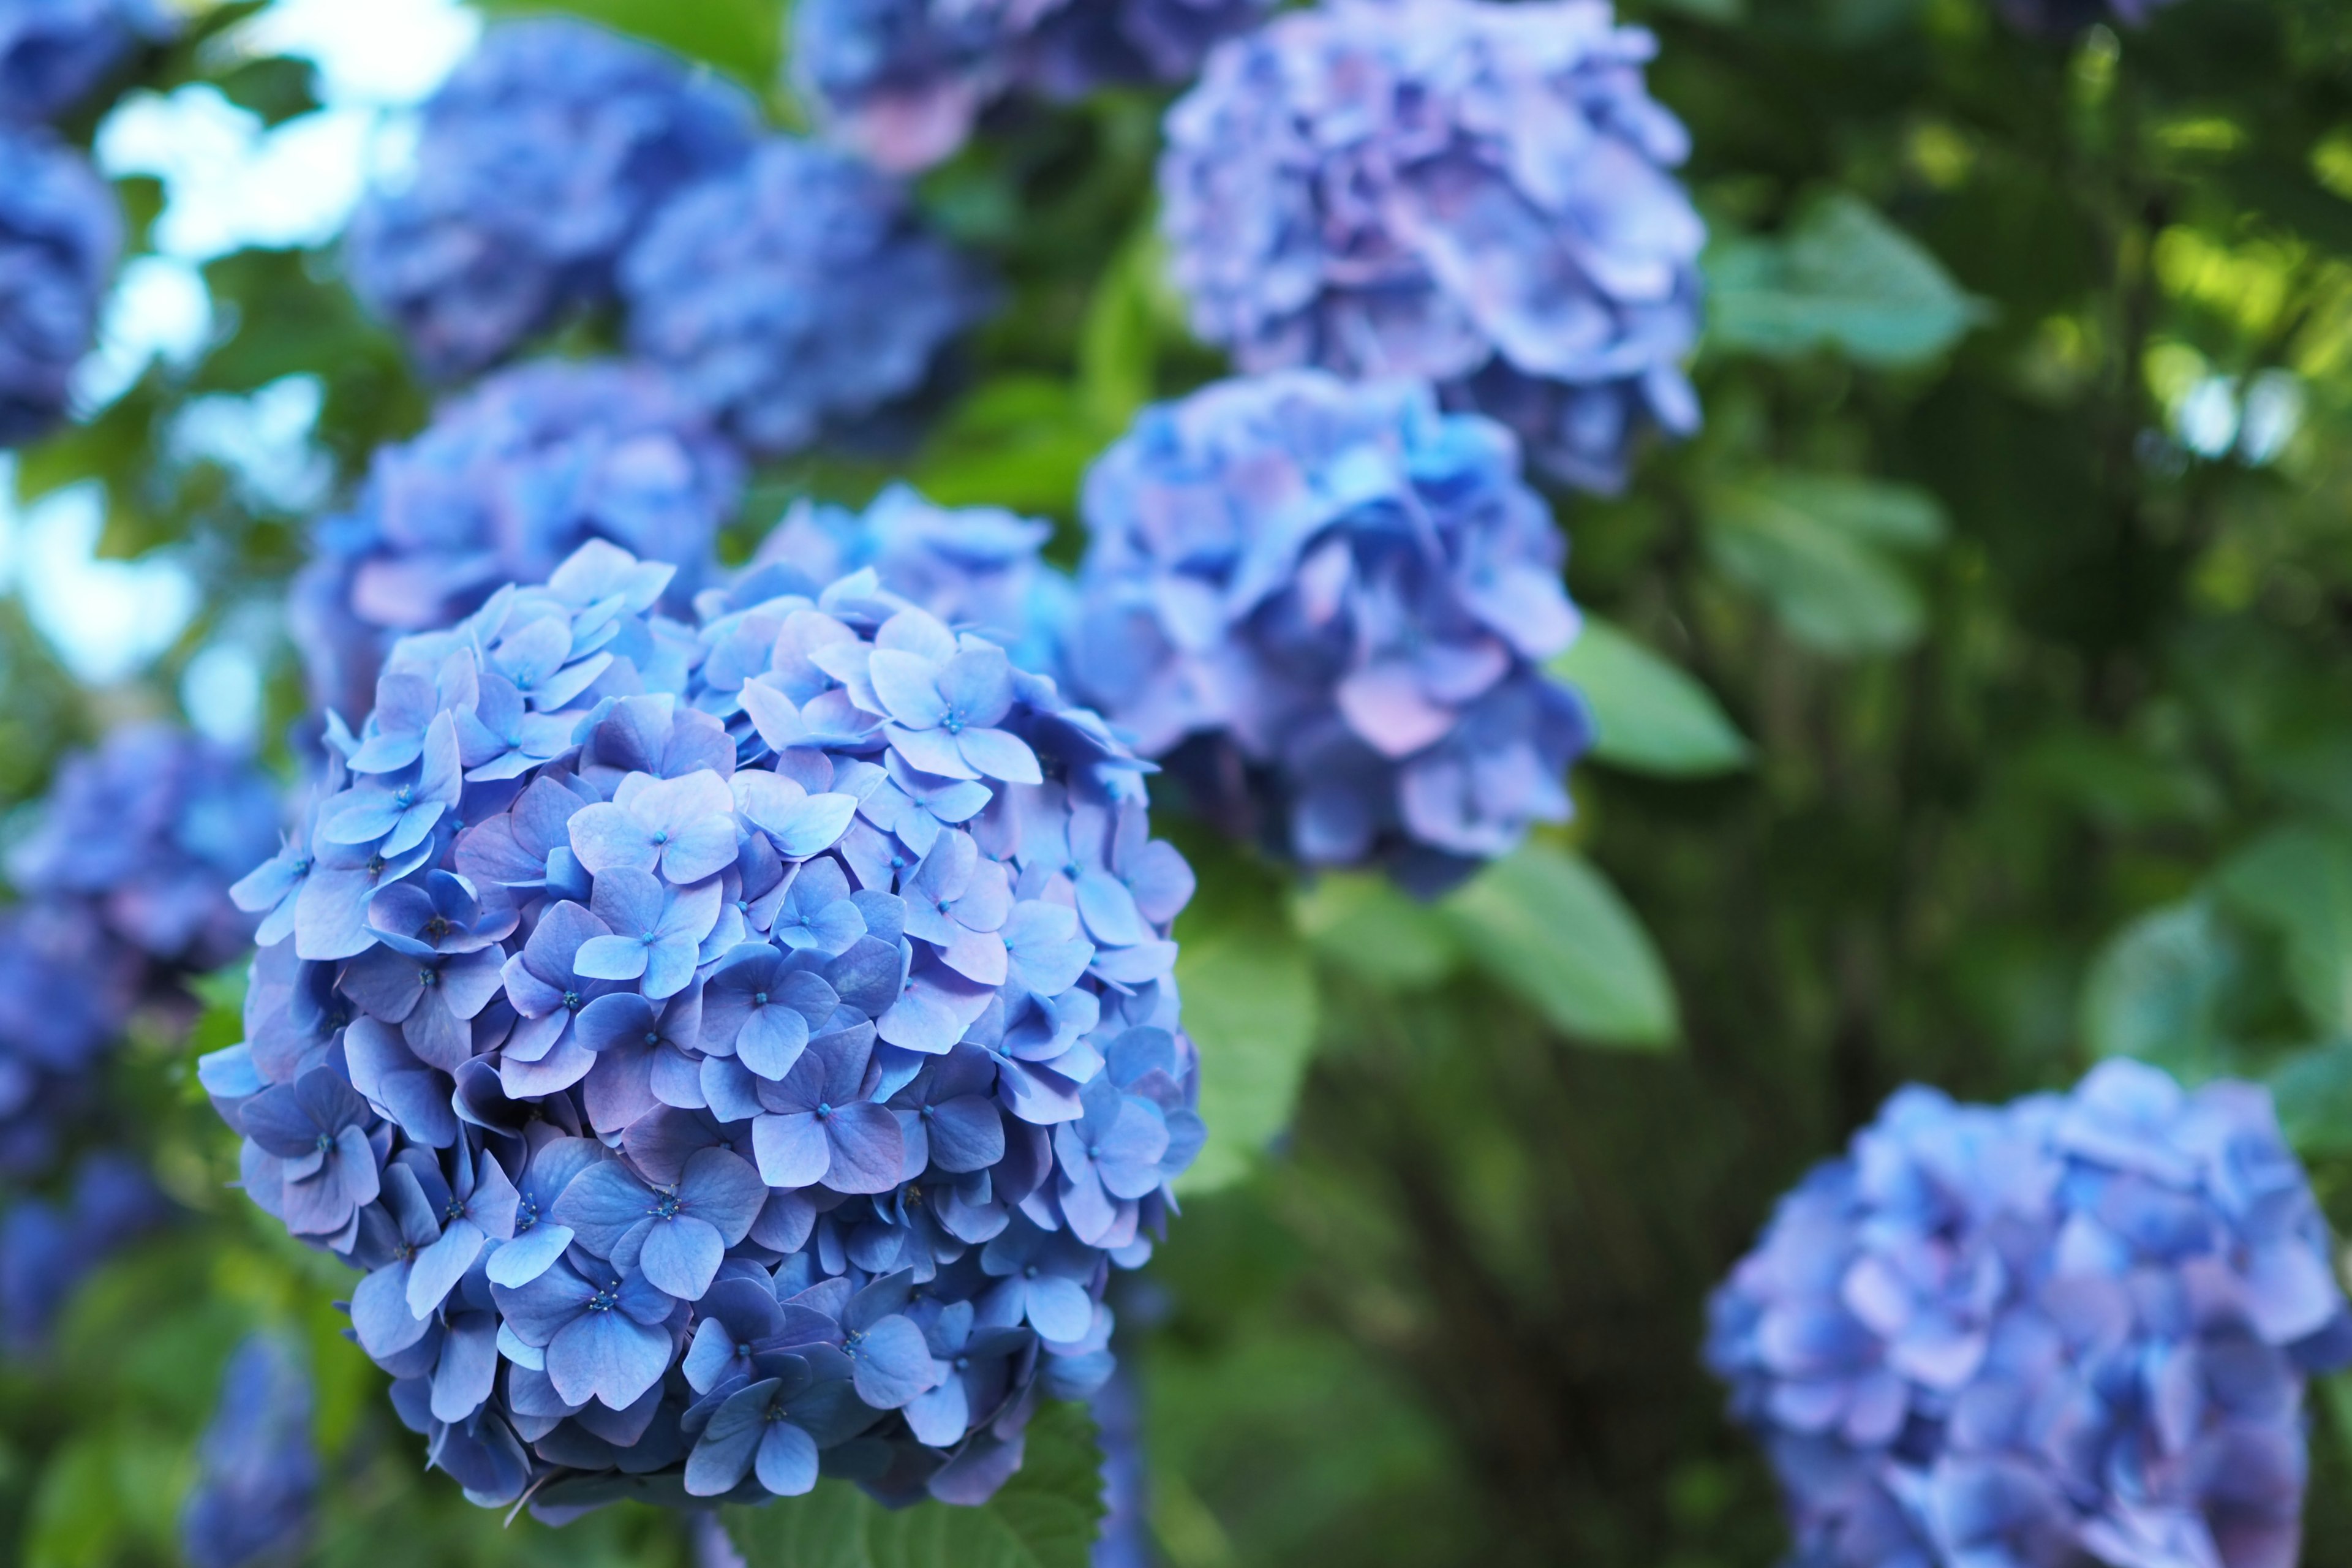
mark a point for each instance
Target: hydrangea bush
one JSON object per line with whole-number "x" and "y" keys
{"x": 2075, "y": 1328}
{"x": 537, "y": 164}
{"x": 729, "y": 1051}
{"x": 59, "y": 233}
{"x": 507, "y": 481}
{"x": 793, "y": 293}
{"x": 1328, "y": 604}
{"x": 903, "y": 80}
{"x": 1477, "y": 194}
{"x": 54, "y": 53}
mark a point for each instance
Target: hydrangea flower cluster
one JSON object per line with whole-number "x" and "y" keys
{"x": 729, "y": 1051}
{"x": 2070, "y": 1329}
{"x": 257, "y": 1478}
{"x": 54, "y": 53}
{"x": 540, "y": 161}
{"x": 977, "y": 568}
{"x": 1473, "y": 194}
{"x": 59, "y": 233}
{"x": 904, "y": 79}
{"x": 506, "y": 482}
{"x": 795, "y": 293}
{"x": 1326, "y": 604}
{"x": 2064, "y": 19}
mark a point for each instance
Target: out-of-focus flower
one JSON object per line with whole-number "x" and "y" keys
{"x": 976, "y": 568}
{"x": 2064, "y": 19}
{"x": 766, "y": 1072}
{"x": 257, "y": 1478}
{"x": 54, "y": 53}
{"x": 48, "y": 1248}
{"x": 2067, "y": 1330}
{"x": 1327, "y": 603}
{"x": 795, "y": 294}
{"x": 506, "y": 482}
{"x": 1475, "y": 195}
{"x": 59, "y": 233}
{"x": 904, "y": 79}
{"x": 543, "y": 157}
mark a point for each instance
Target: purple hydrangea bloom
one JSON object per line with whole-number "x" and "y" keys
{"x": 507, "y": 481}
{"x": 768, "y": 1073}
{"x": 54, "y": 53}
{"x": 1327, "y": 603}
{"x": 2070, "y": 1329}
{"x": 257, "y": 1468}
{"x": 795, "y": 293}
{"x": 904, "y": 79}
{"x": 59, "y": 233}
{"x": 1475, "y": 195}
{"x": 977, "y": 568}
{"x": 540, "y": 161}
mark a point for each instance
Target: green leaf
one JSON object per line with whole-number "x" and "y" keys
{"x": 2313, "y": 1090}
{"x": 2157, "y": 990}
{"x": 1841, "y": 278}
{"x": 1377, "y": 935}
{"x": 2298, "y": 882}
{"x": 1817, "y": 547}
{"x": 1651, "y": 717}
{"x": 1548, "y": 925}
{"x": 1046, "y": 1516}
{"x": 1249, "y": 1004}
{"x": 741, "y": 37}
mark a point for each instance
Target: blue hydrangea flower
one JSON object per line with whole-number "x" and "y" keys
{"x": 59, "y": 233}
{"x": 764, "y": 1074}
{"x": 977, "y": 568}
{"x": 539, "y": 160}
{"x": 1476, "y": 195}
{"x": 54, "y": 53}
{"x": 48, "y": 1248}
{"x": 2070, "y": 1329}
{"x": 1328, "y": 604}
{"x": 507, "y": 481}
{"x": 903, "y": 80}
{"x": 795, "y": 294}
{"x": 257, "y": 1468}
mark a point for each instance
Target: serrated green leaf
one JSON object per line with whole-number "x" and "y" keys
{"x": 2156, "y": 991}
{"x": 1046, "y": 1516}
{"x": 1649, "y": 716}
{"x": 2297, "y": 881}
{"x": 1817, "y": 548}
{"x": 1548, "y": 925}
{"x": 1841, "y": 278}
{"x": 1249, "y": 1005}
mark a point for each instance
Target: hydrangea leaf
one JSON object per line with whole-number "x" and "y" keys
{"x": 2157, "y": 990}
{"x": 743, "y": 38}
{"x": 2297, "y": 881}
{"x": 1377, "y": 935}
{"x": 1044, "y": 1517}
{"x": 1548, "y": 925}
{"x": 1841, "y": 278}
{"x": 1249, "y": 992}
{"x": 2312, "y": 1088}
{"x": 1820, "y": 548}
{"x": 1649, "y": 716}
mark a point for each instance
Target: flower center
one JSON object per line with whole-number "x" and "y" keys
{"x": 661, "y": 837}
{"x": 326, "y": 1141}
{"x": 604, "y": 1301}
{"x": 667, "y": 1206}
{"x": 964, "y": 1364}
{"x": 823, "y": 1111}
{"x": 653, "y": 1036}
{"x": 571, "y": 1001}
{"x": 428, "y": 978}
{"x": 1030, "y": 1272}
{"x": 759, "y": 998}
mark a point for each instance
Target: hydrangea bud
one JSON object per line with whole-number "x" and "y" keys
{"x": 723, "y": 1048}
{"x": 59, "y": 233}
{"x": 539, "y": 160}
{"x": 507, "y": 481}
{"x": 1475, "y": 195}
{"x": 54, "y": 53}
{"x": 903, "y": 80}
{"x": 1327, "y": 603}
{"x": 795, "y": 293}
{"x": 2070, "y": 1329}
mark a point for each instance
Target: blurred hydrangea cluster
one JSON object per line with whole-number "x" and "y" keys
{"x": 1473, "y": 194}
{"x": 257, "y": 1478}
{"x": 977, "y": 568}
{"x": 2070, "y": 1329}
{"x": 727, "y": 1049}
{"x": 903, "y": 80}
{"x": 2064, "y": 19}
{"x": 124, "y": 883}
{"x": 59, "y": 233}
{"x": 56, "y": 53}
{"x": 1326, "y": 605}
{"x": 796, "y": 292}
{"x": 507, "y": 481}
{"x": 538, "y": 162}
